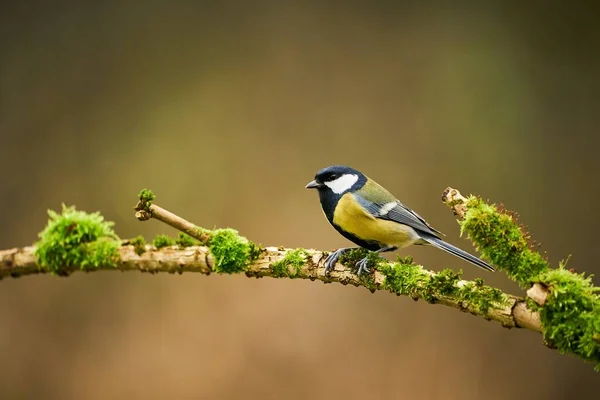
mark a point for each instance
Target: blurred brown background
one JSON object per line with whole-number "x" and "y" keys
{"x": 226, "y": 110}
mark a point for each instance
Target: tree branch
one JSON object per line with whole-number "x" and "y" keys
{"x": 562, "y": 305}
{"x": 23, "y": 261}
{"x": 510, "y": 311}
{"x": 568, "y": 302}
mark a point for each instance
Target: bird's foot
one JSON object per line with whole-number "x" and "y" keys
{"x": 333, "y": 257}
{"x": 362, "y": 266}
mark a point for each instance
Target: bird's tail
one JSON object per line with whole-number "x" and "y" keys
{"x": 440, "y": 244}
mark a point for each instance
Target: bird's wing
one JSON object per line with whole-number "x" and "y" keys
{"x": 398, "y": 212}
{"x": 402, "y": 213}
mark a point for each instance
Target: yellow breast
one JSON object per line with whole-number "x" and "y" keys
{"x": 353, "y": 218}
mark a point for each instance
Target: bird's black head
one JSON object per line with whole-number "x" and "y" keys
{"x": 337, "y": 180}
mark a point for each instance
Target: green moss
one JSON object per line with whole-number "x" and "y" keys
{"x": 161, "y": 241}
{"x": 412, "y": 280}
{"x": 185, "y": 240}
{"x": 405, "y": 279}
{"x": 444, "y": 282}
{"x": 146, "y": 197}
{"x": 374, "y": 260}
{"x": 352, "y": 256}
{"x": 571, "y": 314}
{"x": 368, "y": 281}
{"x": 481, "y": 297}
{"x": 500, "y": 239}
{"x": 290, "y": 265}
{"x": 232, "y": 252}
{"x": 76, "y": 239}
{"x": 255, "y": 251}
{"x": 532, "y": 305}
{"x": 405, "y": 260}
{"x": 139, "y": 245}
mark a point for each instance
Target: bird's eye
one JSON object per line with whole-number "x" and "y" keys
{"x": 333, "y": 177}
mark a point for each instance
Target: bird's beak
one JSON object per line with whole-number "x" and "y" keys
{"x": 313, "y": 185}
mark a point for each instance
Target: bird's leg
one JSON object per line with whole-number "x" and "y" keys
{"x": 333, "y": 257}
{"x": 362, "y": 264}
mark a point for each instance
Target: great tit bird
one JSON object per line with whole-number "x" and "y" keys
{"x": 371, "y": 217}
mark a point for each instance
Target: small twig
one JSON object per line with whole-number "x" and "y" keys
{"x": 145, "y": 212}
{"x": 456, "y": 201}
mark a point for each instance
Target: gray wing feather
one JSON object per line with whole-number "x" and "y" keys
{"x": 398, "y": 213}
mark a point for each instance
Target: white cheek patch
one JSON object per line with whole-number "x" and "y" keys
{"x": 343, "y": 183}
{"x": 386, "y": 208}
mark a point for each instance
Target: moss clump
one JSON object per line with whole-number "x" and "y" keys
{"x": 290, "y": 265}
{"x": 407, "y": 278}
{"x": 161, "y": 241}
{"x": 374, "y": 259}
{"x": 146, "y": 197}
{"x": 405, "y": 260}
{"x": 76, "y": 239}
{"x": 481, "y": 297}
{"x": 185, "y": 240}
{"x": 232, "y": 252}
{"x": 352, "y": 256}
{"x": 571, "y": 315}
{"x": 500, "y": 239}
{"x": 368, "y": 281}
{"x": 444, "y": 282}
{"x": 139, "y": 245}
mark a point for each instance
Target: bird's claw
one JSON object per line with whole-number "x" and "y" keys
{"x": 362, "y": 266}
{"x": 332, "y": 258}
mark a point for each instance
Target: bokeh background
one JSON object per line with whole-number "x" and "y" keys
{"x": 226, "y": 110}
